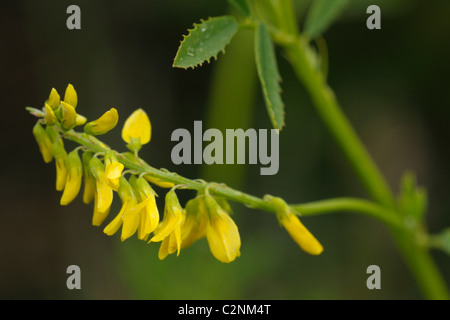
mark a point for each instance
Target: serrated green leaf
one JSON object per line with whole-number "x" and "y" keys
{"x": 241, "y": 6}
{"x": 321, "y": 15}
{"x": 205, "y": 41}
{"x": 269, "y": 76}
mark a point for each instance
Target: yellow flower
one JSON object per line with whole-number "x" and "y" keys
{"x": 169, "y": 230}
{"x": 99, "y": 216}
{"x": 74, "y": 177}
{"x": 149, "y": 214}
{"x": 60, "y": 156}
{"x": 113, "y": 169}
{"x": 104, "y": 191}
{"x": 194, "y": 227}
{"x": 222, "y": 233}
{"x": 70, "y": 96}
{"x": 137, "y": 130}
{"x": 129, "y": 214}
{"x": 50, "y": 117}
{"x": 89, "y": 182}
{"x": 103, "y": 124}
{"x": 53, "y": 99}
{"x": 300, "y": 234}
{"x": 44, "y": 142}
{"x": 294, "y": 227}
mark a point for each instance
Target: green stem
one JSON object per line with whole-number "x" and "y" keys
{"x": 415, "y": 254}
{"x": 351, "y": 205}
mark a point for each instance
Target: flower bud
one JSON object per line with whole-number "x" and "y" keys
{"x": 50, "y": 117}
{"x": 70, "y": 96}
{"x": 103, "y": 124}
{"x": 54, "y": 99}
{"x": 294, "y": 227}
{"x": 69, "y": 116}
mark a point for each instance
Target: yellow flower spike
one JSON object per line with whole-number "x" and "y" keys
{"x": 103, "y": 124}
{"x": 60, "y": 156}
{"x": 173, "y": 217}
{"x": 103, "y": 189}
{"x": 74, "y": 178}
{"x": 50, "y": 117}
{"x": 113, "y": 169}
{"x": 295, "y": 228}
{"x": 137, "y": 130}
{"x": 69, "y": 116}
{"x": 222, "y": 233}
{"x": 44, "y": 142}
{"x": 54, "y": 99}
{"x": 89, "y": 182}
{"x": 70, "y": 96}
{"x": 149, "y": 214}
{"x": 80, "y": 120}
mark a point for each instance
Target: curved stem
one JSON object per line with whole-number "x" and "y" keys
{"x": 351, "y": 205}
{"x": 415, "y": 254}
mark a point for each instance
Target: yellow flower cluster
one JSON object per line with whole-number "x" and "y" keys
{"x": 103, "y": 174}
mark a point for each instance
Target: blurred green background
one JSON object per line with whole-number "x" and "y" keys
{"x": 392, "y": 83}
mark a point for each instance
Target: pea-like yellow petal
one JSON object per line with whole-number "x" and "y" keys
{"x": 300, "y": 234}
{"x": 149, "y": 218}
{"x": 54, "y": 99}
{"x": 159, "y": 182}
{"x": 70, "y": 96}
{"x": 60, "y": 156}
{"x": 44, "y": 142}
{"x": 137, "y": 126}
{"x": 74, "y": 178}
{"x": 103, "y": 124}
{"x": 89, "y": 182}
{"x": 223, "y": 237}
{"x": 69, "y": 116}
{"x": 50, "y": 117}
{"x": 98, "y": 217}
{"x": 104, "y": 194}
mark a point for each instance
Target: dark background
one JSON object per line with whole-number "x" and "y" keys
{"x": 392, "y": 83}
